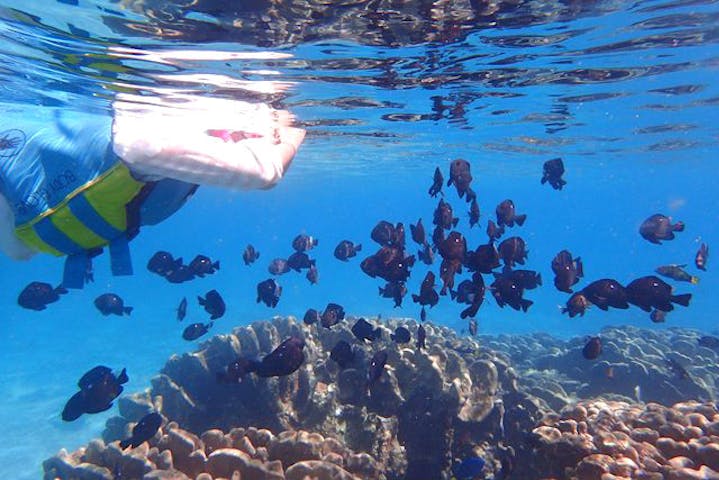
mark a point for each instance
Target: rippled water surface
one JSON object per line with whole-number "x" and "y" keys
{"x": 625, "y": 93}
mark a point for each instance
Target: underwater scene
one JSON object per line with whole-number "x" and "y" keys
{"x": 359, "y": 239}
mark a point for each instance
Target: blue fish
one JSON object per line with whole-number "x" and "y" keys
{"x": 468, "y": 468}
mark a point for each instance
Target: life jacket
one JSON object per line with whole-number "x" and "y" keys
{"x": 71, "y": 195}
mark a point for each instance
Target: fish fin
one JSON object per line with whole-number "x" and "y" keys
{"x": 449, "y": 182}
{"x": 123, "y": 378}
{"x": 178, "y": 262}
{"x": 127, "y": 310}
{"x": 544, "y": 180}
{"x": 315, "y": 242}
{"x": 125, "y": 443}
{"x": 201, "y": 301}
{"x": 694, "y": 280}
{"x": 60, "y": 290}
{"x": 455, "y": 221}
{"x": 525, "y": 304}
{"x": 415, "y": 298}
{"x": 520, "y": 219}
{"x": 682, "y": 300}
{"x": 580, "y": 266}
{"x": 216, "y": 265}
{"x": 381, "y": 290}
{"x": 453, "y": 294}
{"x": 257, "y": 255}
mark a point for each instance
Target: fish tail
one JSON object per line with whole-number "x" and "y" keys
{"x": 520, "y": 219}
{"x": 682, "y": 300}
{"x": 201, "y": 300}
{"x": 526, "y": 304}
{"x": 678, "y": 227}
{"x": 694, "y": 280}
{"x": 123, "y": 378}
{"x": 128, "y": 310}
{"x": 216, "y": 265}
{"x": 539, "y": 279}
{"x": 315, "y": 242}
{"x": 358, "y": 247}
{"x": 60, "y": 290}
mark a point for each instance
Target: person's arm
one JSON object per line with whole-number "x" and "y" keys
{"x": 203, "y": 140}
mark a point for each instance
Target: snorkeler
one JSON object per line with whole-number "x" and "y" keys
{"x": 72, "y": 183}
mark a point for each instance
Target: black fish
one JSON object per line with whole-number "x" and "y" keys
{"x": 250, "y": 255}
{"x": 426, "y": 254}
{"x": 606, "y": 293}
{"x": 709, "y": 341}
{"x": 313, "y": 275}
{"x": 653, "y": 292}
{"x": 493, "y": 231}
{"x": 427, "y": 294}
{"x": 512, "y": 250}
{"x": 399, "y": 235}
{"x": 162, "y": 263}
{"x": 527, "y": 279}
{"x": 678, "y": 369}
{"x": 299, "y": 261}
{"x": 454, "y": 247}
{"x": 182, "y": 309}
{"x": 460, "y": 175}
{"x": 437, "y": 235}
{"x": 553, "y": 171}
{"x": 111, "y": 303}
{"x": 143, "y": 430}
{"x": 593, "y": 348}
{"x": 202, "y": 265}
{"x": 444, "y": 216}
{"x": 418, "y": 233}
{"x": 283, "y": 360}
{"x": 401, "y": 335}
{"x": 302, "y": 243}
{"x": 576, "y": 305}
{"x": 437, "y": 182}
{"x": 343, "y": 354}
{"x": 483, "y": 260}
{"x": 506, "y": 291}
{"x": 659, "y": 227}
{"x": 346, "y": 249}
{"x": 423, "y": 314}
{"x": 447, "y": 271}
{"x": 98, "y": 389}
{"x": 394, "y": 290}
{"x": 37, "y": 295}
{"x": 473, "y": 214}
{"x": 196, "y": 330}
{"x": 332, "y": 315}
{"x": 268, "y": 292}
{"x": 363, "y": 330}
{"x": 567, "y": 271}
{"x": 213, "y": 303}
{"x": 182, "y": 273}
{"x": 376, "y": 366}
{"x": 700, "y": 260}
{"x": 507, "y": 215}
{"x": 311, "y": 317}
{"x": 278, "y": 266}
{"x": 467, "y": 290}
{"x": 421, "y": 337}
{"x": 386, "y": 234}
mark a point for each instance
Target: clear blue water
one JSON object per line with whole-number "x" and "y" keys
{"x": 625, "y": 93}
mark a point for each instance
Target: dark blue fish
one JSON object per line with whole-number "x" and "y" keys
{"x": 268, "y": 292}
{"x": 181, "y": 274}
{"x": 111, "y": 303}
{"x": 182, "y": 309}
{"x": 144, "y": 430}
{"x": 196, "y": 330}
{"x": 299, "y": 261}
{"x": 250, "y": 255}
{"x": 593, "y": 348}
{"x": 552, "y": 172}
{"x": 342, "y": 353}
{"x": 401, "y": 335}
{"x": 332, "y": 315}
{"x": 363, "y": 330}
{"x": 202, "y": 265}
{"x": 278, "y": 266}
{"x": 346, "y": 249}
{"x": 98, "y": 389}
{"x": 468, "y": 469}
{"x": 283, "y": 360}
{"x": 313, "y": 275}
{"x": 311, "y": 317}
{"x": 213, "y": 303}
{"x": 437, "y": 182}
{"x": 37, "y": 295}
{"x": 162, "y": 263}
{"x": 302, "y": 243}
{"x": 376, "y": 366}
{"x": 421, "y": 337}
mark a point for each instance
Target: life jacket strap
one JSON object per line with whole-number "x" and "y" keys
{"x": 76, "y": 266}
{"x": 120, "y": 260}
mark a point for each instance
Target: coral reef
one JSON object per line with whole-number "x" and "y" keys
{"x": 635, "y": 364}
{"x": 174, "y": 453}
{"x": 428, "y": 407}
{"x": 611, "y": 440}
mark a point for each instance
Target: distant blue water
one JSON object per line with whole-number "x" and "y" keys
{"x": 625, "y": 95}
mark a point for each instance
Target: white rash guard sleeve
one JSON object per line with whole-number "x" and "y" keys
{"x": 208, "y": 141}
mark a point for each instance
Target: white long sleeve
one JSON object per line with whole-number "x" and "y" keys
{"x": 202, "y": 140}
